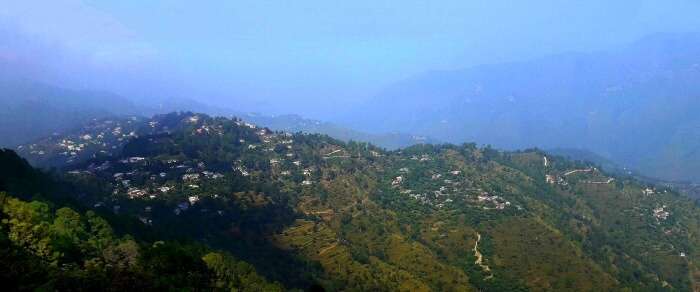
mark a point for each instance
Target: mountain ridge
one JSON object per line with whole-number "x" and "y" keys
{"x": 633, "y": 105}
{"x": 35, "y": 110}
{"x": 356, "y": 216}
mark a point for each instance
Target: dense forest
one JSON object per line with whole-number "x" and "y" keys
{"x": 192, "y": 202}
{"x": 45, "y": 244}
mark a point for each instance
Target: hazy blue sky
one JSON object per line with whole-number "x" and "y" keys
{"x": 307, "y": 57}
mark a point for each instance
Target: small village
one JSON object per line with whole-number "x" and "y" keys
{"x": 186, "y": 181}
{"x": 99, "y": 138}
{"x": 598, "y": 178}
{"x": 661, "y": 213}
{"x": 449, "y": 186}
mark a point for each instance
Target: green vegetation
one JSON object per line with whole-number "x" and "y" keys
{"x": 47, "y": 247}
{"x": 306, "y": 210}
{"x": 64, "y": 250}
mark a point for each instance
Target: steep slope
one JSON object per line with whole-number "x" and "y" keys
{"x": 307, "y": 209}
{"x": 633, "y": 105}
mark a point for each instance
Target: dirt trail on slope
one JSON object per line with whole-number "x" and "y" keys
{"x": 578, "y": 170}
{"x": 480, "y": 258}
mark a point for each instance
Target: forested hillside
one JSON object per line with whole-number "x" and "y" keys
{"x": 49, "y": 241}
{"x": 308, "y": 210}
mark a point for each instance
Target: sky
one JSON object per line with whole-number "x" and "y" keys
{"x": 306, "y": 57}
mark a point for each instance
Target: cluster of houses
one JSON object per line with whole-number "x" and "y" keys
{"x": 191, "y": 176}
{"x": 451, "y": 186}
{"x": 189, "y": 181}
{"x": 204, "y": 128}
{"x": 421, "y": 198}
{"x": 146, "y": 178}
{"x": 245, "y": 124}
{"x": 158, "y": 184}
{"x": 648, "y": 191}
{"x": 422, "y": 158}
{"x": 272, "y": 140}
{"x": 397, "y": 181}
{"x": 498, "y": 202}
{"x": 559, "y": 180}
{"x": 661, "y": 213}
{"x": 553, "y": 179}
{"x": 109, "y": 136}
{"x": 32, "y": 148}
{"x": 241, "y": 169}
{"x": 103, "y": 137}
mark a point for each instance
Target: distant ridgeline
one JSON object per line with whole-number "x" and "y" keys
{"x": 636, "y": 105}
{"x": 307, "y": 210}
{"x": 294, "y": 123}
{"x": 32, "y": 110}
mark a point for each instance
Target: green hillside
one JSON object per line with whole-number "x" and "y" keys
{"x": 49, "y": 242}
{"x": 308, "y": 210}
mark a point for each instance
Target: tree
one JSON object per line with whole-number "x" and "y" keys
{"x": 123, "y": 255}
{"x": 28, "y": 227}
{"x": 67, "y": 234}
{"x": 233, "y": 275}
{"x": 101, "y": 233}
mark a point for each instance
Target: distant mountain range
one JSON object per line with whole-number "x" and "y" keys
{"x": 636, "y": 106}
{"x": 33, "y": 110}
{"x": 296, "y": 123}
